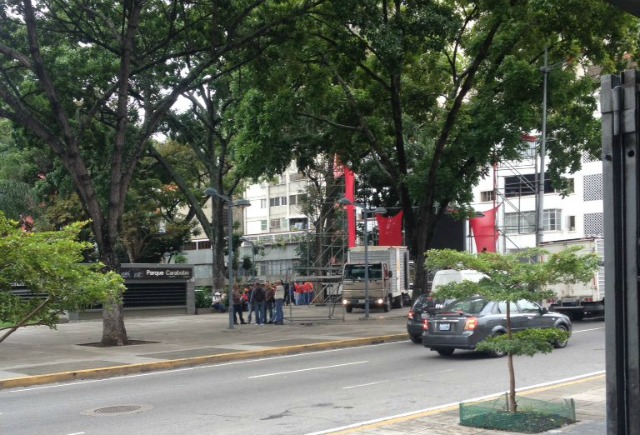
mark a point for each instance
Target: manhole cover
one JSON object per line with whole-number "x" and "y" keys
{"x": 117, "y": 410}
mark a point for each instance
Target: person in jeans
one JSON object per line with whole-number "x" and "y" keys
{"x": 269, "y": 302}
{"x": 258, "y": 298}
{"x": 279, "y": 296}
{"x": 247, "y": 297}
{"x": 237, "y": 305}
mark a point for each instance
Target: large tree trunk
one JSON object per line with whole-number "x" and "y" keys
{"x": 114, "y": 332}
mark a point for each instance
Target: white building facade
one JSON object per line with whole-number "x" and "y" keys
{"x": 513, "y": 186}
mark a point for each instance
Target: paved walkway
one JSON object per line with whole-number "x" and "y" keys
{"x": 38, "y": 355}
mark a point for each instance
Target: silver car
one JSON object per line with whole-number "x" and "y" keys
{"x": 466, "y": 322}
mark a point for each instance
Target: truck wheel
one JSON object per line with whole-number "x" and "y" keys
{"x": 349, "y": 308}
{"x": 387, "y": 304}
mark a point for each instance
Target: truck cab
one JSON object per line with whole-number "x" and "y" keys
{"x": 356, "y": 290}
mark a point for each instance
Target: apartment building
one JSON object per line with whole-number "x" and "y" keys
{"x": 513, "y": 187}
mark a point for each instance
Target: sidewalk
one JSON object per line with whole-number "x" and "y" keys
{"x": 38, "y": 355}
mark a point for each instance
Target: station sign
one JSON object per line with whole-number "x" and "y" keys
{"x": 156, "y": 273}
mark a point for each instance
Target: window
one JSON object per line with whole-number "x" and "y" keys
{"x": 263, "y": 226}
{"x": 528, "y": 307}
{"x": 277, "y": 180}
{"x": 552, "y": 220}
{"x": 296, "y": 176}
{"x": 502, "y": 307}
{"x": 298, "y": 223}
{"x": 487, "y": 196}
{"x": 520, "y": 223}
{"x": 263, "y": 203}
{"x": 571, "y": 188}
{"x": 274, "y": 224}
{"x": 525, "y": 222}
{"x": 524, "y": 185}
{"x": 571, "y": 223}
{"x": 278, "y": 201}
{"x": 293, "y": 199}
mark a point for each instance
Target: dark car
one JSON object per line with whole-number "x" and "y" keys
{"x": 464, "y": 323}
{"x": 424, "y": 307}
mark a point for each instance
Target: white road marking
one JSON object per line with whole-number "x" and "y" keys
{"x": 587, "y": 330}
{"x": 364, "y": 385}
{"x": 168, "y": 371}
{"x": 307, "y": 369}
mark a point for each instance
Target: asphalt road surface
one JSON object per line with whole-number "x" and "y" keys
{"x": 298, "y": 394}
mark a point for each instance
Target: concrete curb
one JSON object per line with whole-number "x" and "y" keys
{"x": 129, "y": 369}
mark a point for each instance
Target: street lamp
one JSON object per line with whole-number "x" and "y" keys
{"x": 253, "y": 255}
{"x": 230, "y": 204}
{"x": 543, "y": 147}
{"x": 365, "y": 214}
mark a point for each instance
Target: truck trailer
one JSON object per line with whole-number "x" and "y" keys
{"x": 388, "y": 282}
{"x": 579, "y": 300}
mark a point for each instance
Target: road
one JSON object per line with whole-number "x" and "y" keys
{"x": 287, "y": 395}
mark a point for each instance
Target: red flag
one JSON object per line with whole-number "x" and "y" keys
{"x": 350, "y": 194}
{"x": 390, "y": 230}
{"x": 484, "y": 231}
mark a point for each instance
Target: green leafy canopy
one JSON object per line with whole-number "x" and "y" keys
{"x": 49, "y": 264}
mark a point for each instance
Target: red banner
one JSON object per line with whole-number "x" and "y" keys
{"x": 350, "y": 194}
{"x": 484, "y": 231}
{"x": 390, "y": 230}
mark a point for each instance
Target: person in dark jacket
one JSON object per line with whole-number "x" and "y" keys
{"x": 237, "y": 305}
{"x": 258, "y": 299}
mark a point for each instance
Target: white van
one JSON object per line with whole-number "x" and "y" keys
{"x": 446, "y": 276}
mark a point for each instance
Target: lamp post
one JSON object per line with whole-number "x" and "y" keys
{"x": 543, "y": 147}
{"x": 253, "y": 255}
{"x": 365, "y": 214}
{"x": 230, "y": 204}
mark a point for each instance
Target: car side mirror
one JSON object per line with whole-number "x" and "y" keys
{"x": 544, "y": 310}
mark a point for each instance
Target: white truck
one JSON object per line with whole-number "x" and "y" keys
{"x": 579, "y": 300}
{"x": 389, "y": 278}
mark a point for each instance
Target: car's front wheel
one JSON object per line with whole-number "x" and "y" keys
{"x": 561, "y": 344}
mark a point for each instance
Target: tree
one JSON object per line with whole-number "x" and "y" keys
{"x": 49, "y": 264}
{"x": 435, "y": 93}
{"x": 92, "y": 82}
{"x": 513, "y": 277}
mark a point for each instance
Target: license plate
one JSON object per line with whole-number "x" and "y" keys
{"x": 445, "y": 327}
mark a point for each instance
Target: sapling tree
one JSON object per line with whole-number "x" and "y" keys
{"x": 49, "y": 264}
{"x": 511, "y": 278}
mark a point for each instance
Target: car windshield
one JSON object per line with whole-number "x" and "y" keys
{"x": 469, "y": 306}
{"x": 356, "y": 271}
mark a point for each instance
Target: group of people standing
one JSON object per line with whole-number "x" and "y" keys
{"x": 264, "y": 301}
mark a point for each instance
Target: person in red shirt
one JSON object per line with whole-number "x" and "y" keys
{"x": 308, "y": 292}
{"x": 298, "y": 293}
